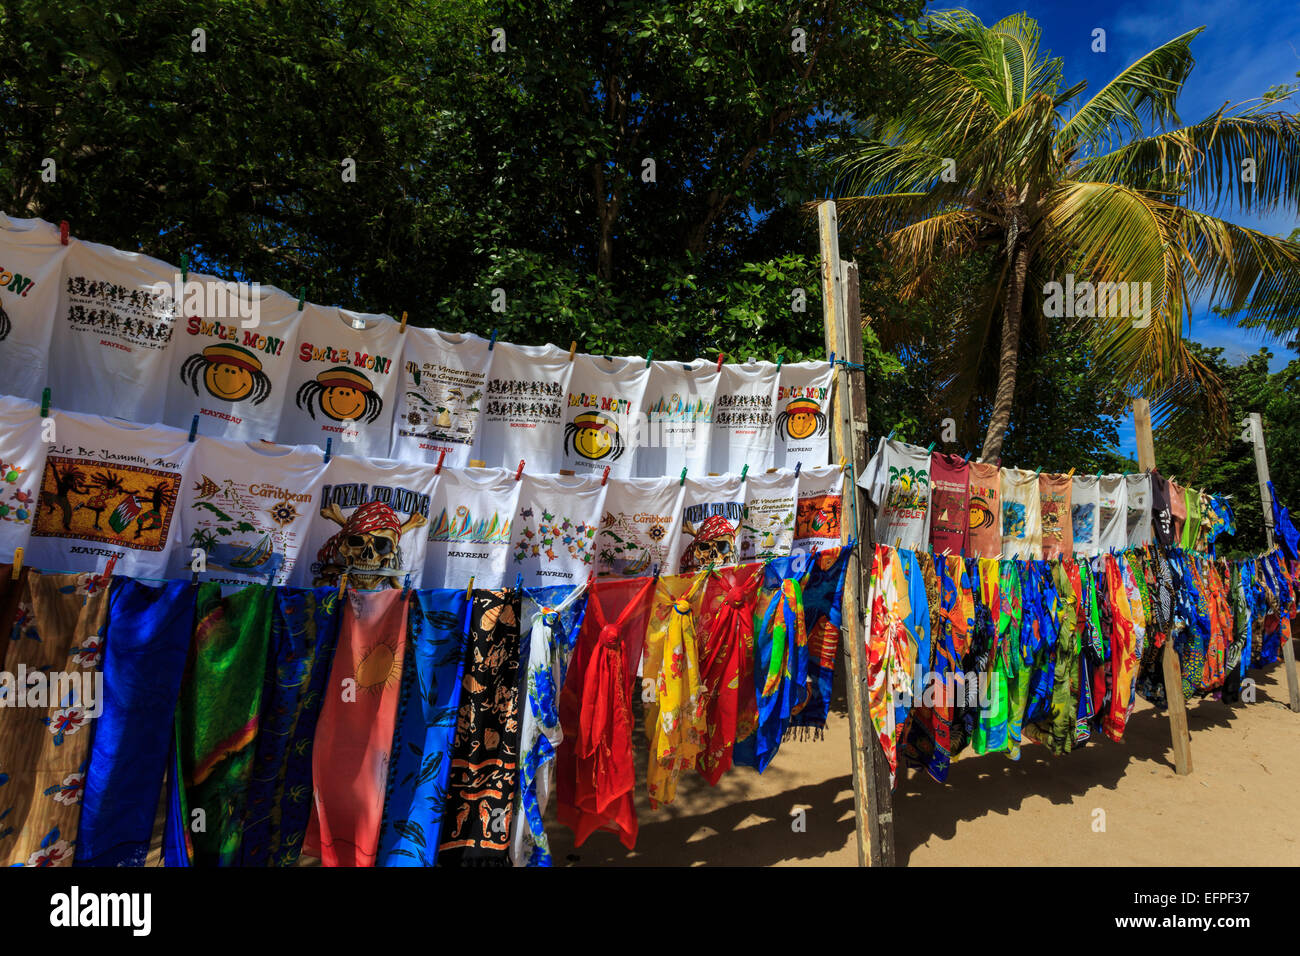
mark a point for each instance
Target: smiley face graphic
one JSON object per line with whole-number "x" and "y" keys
{"x": 228, "y": 372}
{"x": 800, "y": 419}
{"x": 594, "y": 436}
{"x": 342, "y": 393}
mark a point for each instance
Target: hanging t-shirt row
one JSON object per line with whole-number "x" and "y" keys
{"x": 136, "y": 339}
{"x": 81, "y": 490}
{"x": 954, "y": 506}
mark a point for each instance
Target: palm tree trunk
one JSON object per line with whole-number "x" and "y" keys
{"x": 1009, "y": 359}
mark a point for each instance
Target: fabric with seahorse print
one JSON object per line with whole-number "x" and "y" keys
{"x": 551, "y": 617}
{"x": 59, "y": 627}
{"x": 476, "y": 821}
{"x": 304, "y": 635}
{"x": 897, "y": 479}
{"x": 426, "y": 723}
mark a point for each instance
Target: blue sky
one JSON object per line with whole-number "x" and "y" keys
{"x": 1247, "y": 47}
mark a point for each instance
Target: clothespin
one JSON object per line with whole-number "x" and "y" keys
{"x": 194, "y": 577}
{"x": 656, "y": 572}
{"x": 832, "y": 360}
{"x": 45, "y": 403}
{"x": 493, "y": 343}
{"x": 780, "y": 359}
{"x": 469, "y": 589}
{"x": 343, "y": 582}
{"x": 108, "y": 570}
{"x": 18, "y": 562}
{"x": 648, "y": 353}
{"x": 194, "y": 428}
{"x": 683, "y": 481}
{"x": 605, "y": 477}
{"x": 406, "y": 585}
{"x": 844, "y": 463}
{"x": 930, "y": 449}
{"x": 402, "y": 328}
{"x": 185, "y": 266}
{"x": 441, "y": 455}
{"x": 573, "y": 347}
{"x": 302, "y": 298}
{"x": 891, "y": 434}
{"x": 328, "y": 444}
{"x": 967, "y": 458}
{"x": 743, "y": 472}
{"x": 721, "y": 356}
{"x": 519, "y": 581}
{"x": 520, "y": 470}
{"x": 797, "y": 465}
{"x": 1038, "y": 471}
{"x": 64, "y": 230}
{"x": 1070, "y": 473}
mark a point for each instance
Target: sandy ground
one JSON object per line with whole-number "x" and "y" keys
{"x": 1236, "y": 807}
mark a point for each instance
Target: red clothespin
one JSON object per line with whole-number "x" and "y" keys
{"x": 520, "y": 470}
{"x": 605, "y": 477}
{"x": 721, "y": 356}
{"x": 441, "y": 455}
{"x": 64, "y": 229}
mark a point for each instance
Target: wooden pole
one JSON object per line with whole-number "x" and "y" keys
{"x": 872, "y": 797}
{"x": 1256, "y": 426}
{"x": 1179, "y": 734}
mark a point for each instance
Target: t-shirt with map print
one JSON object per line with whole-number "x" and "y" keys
{"x": 767, "y": 529}
{"x": 554, "y": 532}
{"x": 471, "y": 528}
{"x": 897, "y": 479}
{"x": 642, "y": 520}
{"x": 440, "y": 396}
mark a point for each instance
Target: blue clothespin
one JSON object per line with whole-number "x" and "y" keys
{"x": 493, "y": 343}
{"x": 329, "y": 443}
{"x": 967, "y": 458}
{"x": 797, "y": 466}
{"x": 891, "y": 435}
{"x": 194, "y": 428}
{"x": 406, "y": 585}
{"x": 832, "y": 360}
{"x": 519, "y": 581}
{"x": 45, "y": 403}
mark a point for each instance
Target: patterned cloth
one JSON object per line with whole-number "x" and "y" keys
{"x": 823, "y": 602}
{"x": 891, "y": 645}
{"x": 145, "y": 647}
{"x": 45, "y": 743}
{"x": 675, "y": 724}
{"x": 726, "y": 662}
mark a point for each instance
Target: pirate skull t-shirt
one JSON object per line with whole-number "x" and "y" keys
{"x": 819, "y": 513}
{"x": 767, "y": 529}
{"x": 110, "y": 489}
{"x": 471, "y": 529}
{"x": 744, "y": 419}
{"x": 370, "y": 518}
{"x": 231, "y": 355}
{"x": 641, "y": 522}
{"x": 712, "y": 509}
{"x": 678, "y": 419}
{"x": 343, "y": 382}
{"x": 31, "y": 265}
{"x": 249, "y": 507}
{"x": 1054, "y": 492}
{"x": 555, "y": 527}
{"x": 897, "y": 479}
{"x": 802, "y": 414}
{"x": 523, "y": 410}
{"x": 1085, "y": 505}
{"x": 22, "y": 459}
{"x": 115, "y": 322}
{"x": 602, "y": 412}
{"x": 440, "y": 396}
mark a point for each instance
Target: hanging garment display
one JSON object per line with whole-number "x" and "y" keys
{"x": 1112, "y": 513}
{"x": 370, "y": 519}
{"x": 1055, "y": 504}
{"x": 427, "y": 715}
{"x": 354, "y": 736}
{"x": 31, "y": 266}
{"x": 1192, "y": 525}
{"x": 553, "y": 537}
{"x": 1022, "y": 524}
{"x": 603, "y": 414}
{"x": 473, "y": 510}
{"x": 897, "y": 479}
{"x": 304, "y": 635}
{"x": 712, "y": 511}
{"x": 248, "y": 508}
{"x": 892, "y": 642}
{"x": 1139, "y": 504}
{"x": 1162, "y": 516}
{"x": 642, "y": 521}
{"x": 230, "y": 359}
{"x": 674, "y": 715}
{"x": 1287, "y": 535}
{"x": 523, "y": 414}
{"x": 145, "y": 646}
{"x": 440, "y": 396}
{"x": 110, "y": 490}
{"x": 984, "y": 534}
{"x": 819, "y": 511}
{"x": 477, "y": 819}
{"x": 343, "y": 382}
{"x": 22, "y": 461}
{"x": 1223, "y": 521}
{"x": 551, "y": 617}
{"x": 803, "y": 400}
{"x": 1085, "y": 504}
{"x": 768, "y": 526}
{"x": 726, "y": 645}
{"x": 114, "y": 323}
{"x": 53, "y": 689}
{"x": 950, "y": 503}
{"x": 1178, "y": 512}
{"x": 823, "y": 597}
{"x": 678, "y": 421}
{"x": 744, "y": 419}
{"x": 217, "y": 719}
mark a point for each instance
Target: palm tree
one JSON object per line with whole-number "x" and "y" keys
{"x": 986, "y": 156}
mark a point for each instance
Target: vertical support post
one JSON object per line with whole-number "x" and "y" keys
{"x": 1256, "y": 425}
{"x": 1179, "y": 735}
{"x": 872, "y": 797}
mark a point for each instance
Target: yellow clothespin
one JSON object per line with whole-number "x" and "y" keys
{"x": 844, "y": 463}
{"x": 573, "y": 347}
{"x": 469, "y": 591}
{"x": 343, "y": 582}
{"x": 403, "y": 328}
{"x": 1070, "y": 473}
{"x": 18, "y": 562}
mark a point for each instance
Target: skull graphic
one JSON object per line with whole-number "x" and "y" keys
{"x": 714, "y": 544}
{"x": 367, "y": 541}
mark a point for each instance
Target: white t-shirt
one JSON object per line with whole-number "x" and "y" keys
{"x": 440, "y": 396}
{"x": 371, "y": 516}
{"x": 803, "y": 401}
{"x": 22, "y": 460}
{"x": 343, "y": 382}
{"x": 232, "y": 377}
{"x": 249, "y": 506}
{"x": 31, "y": 265}
{"x": 602, "y": 414}
{"x": 555, "y": 526}
{"x": 1085, "y": 504}
{"x": 679, "y": 419}
{"x": 712, "y": 510}
{"x": 1022, "y": 515}
{"x": 471, "y": 528}
{"x": 642, "y": 520}
{"x": 523, "y": 418}
{"x": 1138, "y": 524}
{"x": 1112, "y": 522}
{"x": 897, "y": 479}
{"x": 767, "y": 530}
{"x": 817, "y": 522}
{"x": 744, "y": 419}
{"x": 110, "y": 488}
{"x": 111, "y": 334}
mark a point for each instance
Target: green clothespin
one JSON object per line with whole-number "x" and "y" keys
{"x": 185, "y": 266}
{"x": 683, "y": 481}
{"x": 779, "y": 359}
{"x": 744, "y": 471}
{"x": 1038, "y": 471}
{"x": 45, "y": 403}
{"x": 648, "y": 354}
{"x": 930, "y": 449}
{"x": 302, "y": 298}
